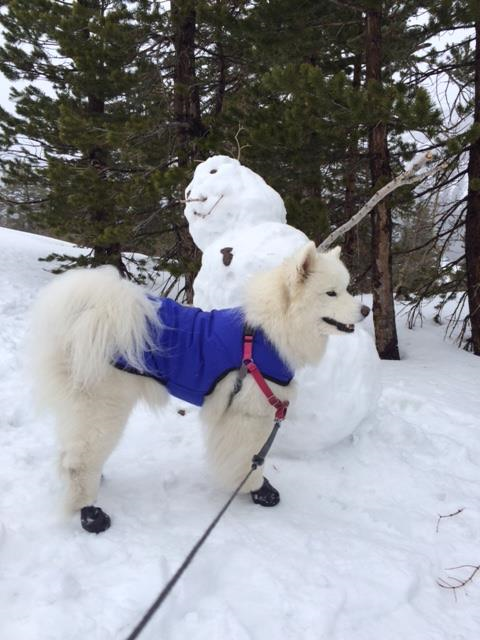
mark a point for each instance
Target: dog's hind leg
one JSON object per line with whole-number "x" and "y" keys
{"x": 89, "y": 426}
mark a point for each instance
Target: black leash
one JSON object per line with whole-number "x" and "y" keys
{"x": 257, "y": 461}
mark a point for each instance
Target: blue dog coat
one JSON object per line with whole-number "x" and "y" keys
{"x": 195, "y": 349}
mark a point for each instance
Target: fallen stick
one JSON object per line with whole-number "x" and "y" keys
{"x": 449, "y": 515}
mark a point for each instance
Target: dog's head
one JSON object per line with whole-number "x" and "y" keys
{"x": 317, "y": 285}
{"x": 302, "y": 301}
{"x": 319, "y": 282}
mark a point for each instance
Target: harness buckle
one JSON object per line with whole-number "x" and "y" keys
{"x": 281, "y": 407}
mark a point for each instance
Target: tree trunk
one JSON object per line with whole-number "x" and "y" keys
{"x": 186, "y": 94}
{"x": 97, "y": 157}
{"x": 382, "y": 288}
{"x": 472, "y": 222}
{"x": 221, "y": 80}
{"x": 350, "y": 244}
{"x": 187, "y": 115}
{"x": 221, "y": 65}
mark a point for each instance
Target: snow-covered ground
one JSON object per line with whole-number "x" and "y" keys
{"x": 353, "y": 551}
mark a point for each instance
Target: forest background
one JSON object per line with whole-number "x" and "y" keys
{"x": 115, "y": 103}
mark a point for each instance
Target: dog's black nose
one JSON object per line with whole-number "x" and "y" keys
{"x": 365, "y": 310}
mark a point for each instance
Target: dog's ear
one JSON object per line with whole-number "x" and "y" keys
{"x": 335, "y": 252}
{"x": 304, "y": 261}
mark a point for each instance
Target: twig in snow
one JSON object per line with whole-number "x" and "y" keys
{"x": 449, "y": 515}
{"x": 449, "y": 583}
{"x": 407, "y": 177}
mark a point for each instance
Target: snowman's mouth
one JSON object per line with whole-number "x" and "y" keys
{"x": 346, "y": 328}
{"x": 205, "y": 215}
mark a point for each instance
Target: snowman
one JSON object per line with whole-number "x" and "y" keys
{"x": 239, "y": 223}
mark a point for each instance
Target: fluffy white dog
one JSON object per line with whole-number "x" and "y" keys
{"x": 100, "y": 344}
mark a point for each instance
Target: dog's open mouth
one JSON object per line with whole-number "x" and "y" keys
{"x": 347, "y": 328}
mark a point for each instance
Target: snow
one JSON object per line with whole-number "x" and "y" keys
{"x": 342, "y": 390}
{"x": 351, "y": 553}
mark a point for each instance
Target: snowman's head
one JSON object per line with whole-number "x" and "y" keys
{"x": 224, "y": 194}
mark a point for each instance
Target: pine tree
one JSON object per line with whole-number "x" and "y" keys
{"x": 458, "y": 62}
{"x": 311, "y": 107}
{"x": 139, "y": 93}
{"x": 83, "y": 132}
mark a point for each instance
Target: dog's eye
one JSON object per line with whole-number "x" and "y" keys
{"x": 331, "y": 293}
{"x": 213, "y": 171}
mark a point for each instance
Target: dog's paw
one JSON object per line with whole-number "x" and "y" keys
{"x": 94, "y": 520}
{"x": 267, "y": 496}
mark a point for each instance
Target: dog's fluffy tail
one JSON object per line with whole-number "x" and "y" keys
{"x": 82, "y": 320}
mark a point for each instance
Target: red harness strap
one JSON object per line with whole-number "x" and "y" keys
{"x": 280, "y": 405}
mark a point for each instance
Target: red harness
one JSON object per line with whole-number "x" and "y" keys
{"x": 280, "y": 405}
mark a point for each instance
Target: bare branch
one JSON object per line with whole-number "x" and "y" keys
{"x": 239, "y": 147}
{"x": 205, "y": 215}
{"x": 407, "y": 177}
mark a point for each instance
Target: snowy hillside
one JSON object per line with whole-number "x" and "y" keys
{"x": 353, "y": 551}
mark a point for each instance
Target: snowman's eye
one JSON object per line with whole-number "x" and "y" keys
{"x": 213, "y": 171}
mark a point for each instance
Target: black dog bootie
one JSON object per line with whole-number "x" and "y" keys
{"x": 267, "y": 496}
{"x": 94, "y": 520}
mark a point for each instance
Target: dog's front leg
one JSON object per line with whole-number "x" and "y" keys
{"x": 266, "y": 496}
{"x": 231, "y": 444}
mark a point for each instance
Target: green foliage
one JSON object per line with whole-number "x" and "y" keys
{"x": 92, "y": 152}
{"x": 86, "y": 132}
{"x": 307, "y": 110}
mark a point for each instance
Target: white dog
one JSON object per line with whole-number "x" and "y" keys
{"x": 100, "y": 344}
